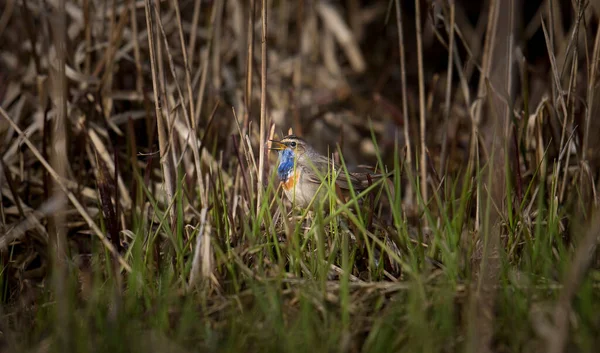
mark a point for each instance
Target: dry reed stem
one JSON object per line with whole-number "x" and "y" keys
{"x": 58, "y": 161}
{"x": 574, "y": 39}
{"x": 240, "y": 147}
{"x": 447, "y": 100}
{"x": 165, "y": 158}
{"x": 106, "y": 84}
{"x": 249, "y": 65}
{"x": 297, "y": 73}
{"x": 486, "y": 271}
{"x": 284, "y": 17}
{"x": 478, "y": 105}
{"x": 204, "y": 70}
{"x": 197, "y": 262}
{"x": 216, "y": 50}
{"x": 329, "y": 53}
{"x": 334, "y": 22}
{"x": 559, "y": 96}
{"x": 263, "y": 108}
{"x": 591, "y": 89}
{"x": 70, "y": 195}
{"x": 406, "y": 117}
{"x": 486, "y": 60}
{"x": 422, "y": 111}
{"x": 235, "y": 17}
{"x": 183, "y": 129}
{"x": 464, "y": 85}
{"x": 188, "y": 116}
{"x": 474, "y": 41}
{"x": 194, "y": 34}
{"x": 168, "y": 111}
{"x": 556, "y": 76}
{"x": 207, "y": 250}
{"x": 108, "y": 160}
{"x": 139, "y": 78}
{"x": 509, "y": 111}
{"x": 87, "y": 67}
{"x": 571, "y": 98}
{"x": 107, "y": 60}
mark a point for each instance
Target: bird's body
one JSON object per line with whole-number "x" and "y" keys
{"x": 299, "y": 169}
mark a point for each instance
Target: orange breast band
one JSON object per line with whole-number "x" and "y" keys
{"x": 291, "y": 181}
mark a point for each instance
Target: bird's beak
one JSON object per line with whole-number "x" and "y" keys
{"x": 277, "y": 145}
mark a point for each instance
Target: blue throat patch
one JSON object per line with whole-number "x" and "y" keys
{"x": 286, "y": 164}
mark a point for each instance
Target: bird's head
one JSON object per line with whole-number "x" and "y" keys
{"x": 295, "y": 144}
{"x": 291, "y": 149}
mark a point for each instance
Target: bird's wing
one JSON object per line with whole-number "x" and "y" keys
{"x": 359, "y": 180}
{"x": 320, "y": 164}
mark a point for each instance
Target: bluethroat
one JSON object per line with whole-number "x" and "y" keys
{"x": 302, "y": 170}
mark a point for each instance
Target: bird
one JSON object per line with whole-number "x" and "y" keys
{"x": 302, "y": 170}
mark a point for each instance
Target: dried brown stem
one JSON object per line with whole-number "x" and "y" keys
{"x": 165, "y": 158}
{"x": 263, "y": 107}
{"x": 406, "y": 117}
{"x": 422, "y": 110}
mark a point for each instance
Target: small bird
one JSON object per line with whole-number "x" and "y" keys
{"x": 299, "y": 169}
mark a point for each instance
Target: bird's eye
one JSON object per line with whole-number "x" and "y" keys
{"x": 293, "y": 144}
